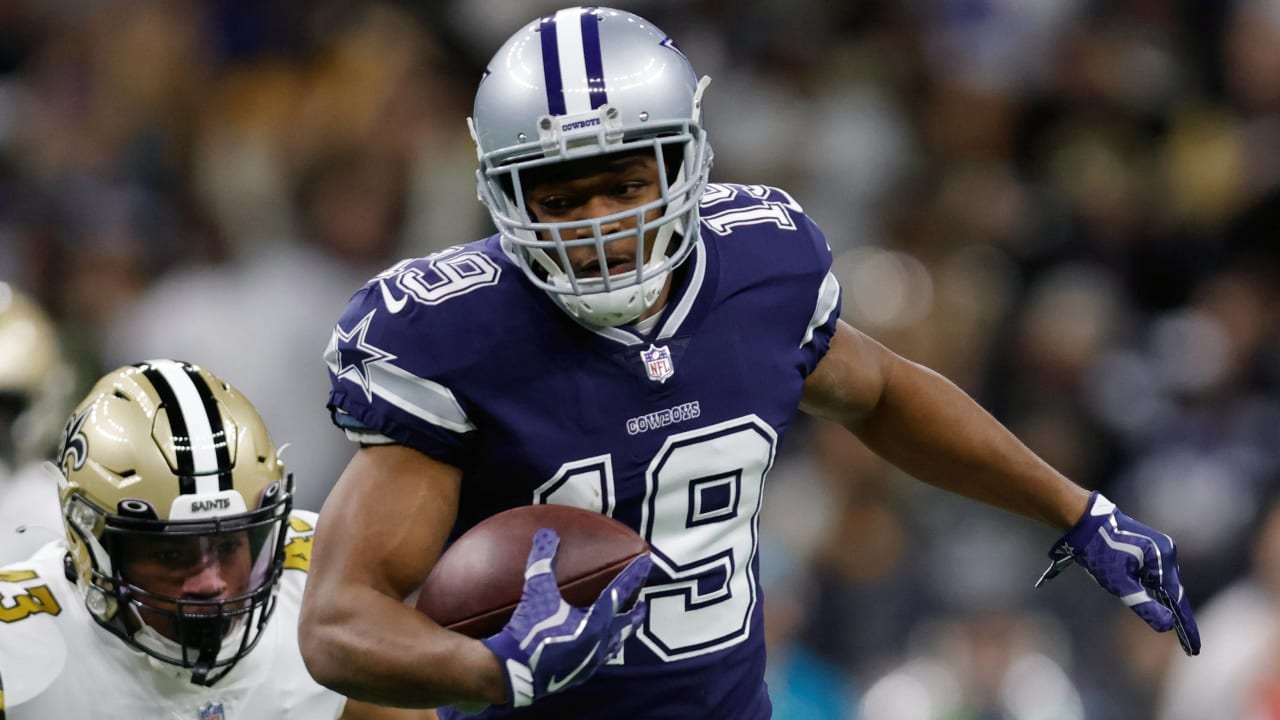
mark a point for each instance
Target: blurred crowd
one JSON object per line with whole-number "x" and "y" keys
{"x": 1068, "y": 207}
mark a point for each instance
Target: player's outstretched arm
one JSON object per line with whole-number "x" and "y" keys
{"x": 921, "y": 422}
{"x": 549, "y": 645}
{"x": 380, "y": 532}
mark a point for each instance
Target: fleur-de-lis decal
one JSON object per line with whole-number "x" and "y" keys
{"x": 75, "y": 446}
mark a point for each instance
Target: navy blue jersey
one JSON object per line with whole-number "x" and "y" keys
{"x": 459, "y": 356}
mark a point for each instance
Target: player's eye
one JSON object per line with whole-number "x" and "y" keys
{"x": 555, "y": 204}
{"x": 229, "y": 546}
{"x": 172, "y": 557}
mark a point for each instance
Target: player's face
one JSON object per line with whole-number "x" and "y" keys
{"x": 207, "y": 568}
{"x": 593, "y": 188}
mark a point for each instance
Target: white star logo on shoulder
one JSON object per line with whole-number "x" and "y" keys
{"x": 352, "y": 358}
{"x": 657, "y": 363}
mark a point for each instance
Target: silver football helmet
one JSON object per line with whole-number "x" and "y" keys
{"x": 585, "y": 82}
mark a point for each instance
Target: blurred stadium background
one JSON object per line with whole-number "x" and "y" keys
{"x": 1068, "y": 207}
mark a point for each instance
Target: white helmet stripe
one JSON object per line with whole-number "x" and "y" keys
{"x": 571, "y": 54}
{"x": 202, "y": 442}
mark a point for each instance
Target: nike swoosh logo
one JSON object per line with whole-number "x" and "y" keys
{"x": 556, "y": 685}
{"x": 391, "y": 302}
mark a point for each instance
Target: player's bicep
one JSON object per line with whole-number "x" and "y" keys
{"x": 385, "y": 522}
{"x": 849, "y": 380}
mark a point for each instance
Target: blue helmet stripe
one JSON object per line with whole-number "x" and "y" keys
{"x": 551, "y": 67}
{"x": 592, "y": 56}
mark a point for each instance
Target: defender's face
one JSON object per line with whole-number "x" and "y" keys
{"x": 203, "y": 569}
{"x": 595, "y": 188}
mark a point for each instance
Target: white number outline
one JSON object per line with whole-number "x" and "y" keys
{"x": 674, "y": 628}
{"x": 457, "y": 272}
{"x": 777, "y": 211}
{"x": 586, "y": 483}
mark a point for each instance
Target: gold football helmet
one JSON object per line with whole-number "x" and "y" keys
{"x": 176, "y": 507}
{"x": 35, "y": 381}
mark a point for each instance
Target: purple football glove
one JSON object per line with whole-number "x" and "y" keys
{"x": 1131, "y": 561}
{"x": 550, "y": 645}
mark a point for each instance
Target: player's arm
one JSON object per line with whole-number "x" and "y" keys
{"x": 924, "y": 424}
{"x": 380, "y": 532}
{"x": 356, "y": 710}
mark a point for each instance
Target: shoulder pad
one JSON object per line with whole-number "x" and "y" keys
{"x": 33, "y": 650}
{"x": 297, "y": 544}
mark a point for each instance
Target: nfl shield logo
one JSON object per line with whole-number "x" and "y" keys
{"x": 657, "y": 363}
{"x": 212, "y": 711}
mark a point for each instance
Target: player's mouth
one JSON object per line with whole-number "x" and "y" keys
{"x": 616, "y": 265}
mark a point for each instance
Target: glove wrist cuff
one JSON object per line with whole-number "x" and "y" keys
{"x": 518, "y": 675}
{"x": 1086, "y": 528}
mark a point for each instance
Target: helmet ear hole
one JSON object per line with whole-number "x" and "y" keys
{"x": 137, "y": 509}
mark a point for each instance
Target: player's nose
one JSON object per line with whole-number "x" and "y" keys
{"x": 599, "y": 206}
{"x": 206, "y": 581}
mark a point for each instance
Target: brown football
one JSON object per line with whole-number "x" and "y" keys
{"x": 476, "y": 584}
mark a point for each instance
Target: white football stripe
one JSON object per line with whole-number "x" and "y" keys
{"x": 573, "y": 62}
{"x": 420, "y": 397}
{"x": 828, "y": 298}
{"x": 199, "y": 429}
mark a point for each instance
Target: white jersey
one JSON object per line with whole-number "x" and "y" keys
{"x": 57, "y": 663}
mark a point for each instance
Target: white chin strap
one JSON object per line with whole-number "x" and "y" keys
{"x": 614, "y": 307}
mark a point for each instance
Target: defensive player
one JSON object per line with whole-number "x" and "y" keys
{"x": 175, "y": 593}
{"x": 634, "y": 340}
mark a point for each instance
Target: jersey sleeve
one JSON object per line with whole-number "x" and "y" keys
{"x": 400, "y": 343}
{"x": 769, "y": 241}
{"x": 298, "y": 540}
{"x": 387, "y": 360}
{"x": 825, "y": 291}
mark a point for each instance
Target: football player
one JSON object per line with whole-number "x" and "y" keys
{"x": 36, "y": 383}
{"x": 635, "y": 339}
{"x": 175, "y": 592}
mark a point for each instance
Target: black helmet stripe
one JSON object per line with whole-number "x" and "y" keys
{"x": 193, "y": 415}
{"x": 221, "y": 443}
